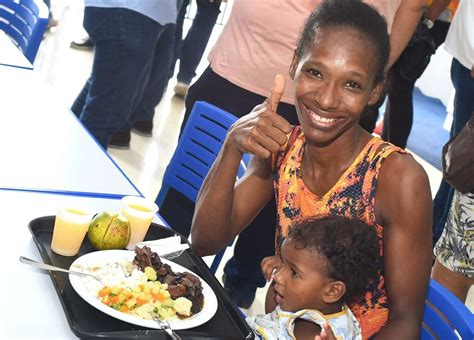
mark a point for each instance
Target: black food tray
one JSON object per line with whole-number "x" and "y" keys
{"x": 87, "y": 322}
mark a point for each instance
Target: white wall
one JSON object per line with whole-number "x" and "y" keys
{"x": 436, "y": 81}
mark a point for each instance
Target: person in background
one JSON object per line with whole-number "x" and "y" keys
{"x": 454, "y": 251}
{"x": 454, "y": 265}
{"x": 326, "y": 264}
{"x": 251, "y": 49}
{"x": 125, "y": 35}
{"x": 141, "y": 121}
{"x": 189, "y": 50}
{"x": 431, "y": 33}
{"x": 460, "y": 44}
{"x": 329, "y": 165}
{"x": 51, "y": 22}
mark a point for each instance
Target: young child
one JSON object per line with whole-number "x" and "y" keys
{"x": 326, "y": 262}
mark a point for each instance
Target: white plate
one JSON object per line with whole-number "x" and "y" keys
{"x": 110, "y": 256}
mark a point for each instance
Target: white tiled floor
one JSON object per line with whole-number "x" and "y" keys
{"x": 67, "y": 69}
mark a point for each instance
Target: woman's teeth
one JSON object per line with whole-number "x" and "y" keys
{"x": 319, "y": 118}
{"x": 322, "y": 119}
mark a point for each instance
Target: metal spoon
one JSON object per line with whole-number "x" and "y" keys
{"x": 45, "y": 266}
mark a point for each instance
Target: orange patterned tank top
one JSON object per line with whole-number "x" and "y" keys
{"x": 352, "y": 196}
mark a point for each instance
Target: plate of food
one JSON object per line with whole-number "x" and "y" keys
{"x": 139, "y": 286}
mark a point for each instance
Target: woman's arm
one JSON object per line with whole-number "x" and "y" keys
{"x": 404, "y": 208}
{"x": 404, "y": 25}
{"x": 223, "y": 211}
{"x": 437, "y": 7}
{"x": 223, "y": 208}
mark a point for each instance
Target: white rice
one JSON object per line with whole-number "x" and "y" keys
{"x": 119, "y": 274}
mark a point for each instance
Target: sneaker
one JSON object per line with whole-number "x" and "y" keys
{"x": 120, "y": 140}
{"x": 143, "y": 128}
{"x": 51, "y": 24}
{"x": 82, "y": 44}
{"x": 181, "y": 89}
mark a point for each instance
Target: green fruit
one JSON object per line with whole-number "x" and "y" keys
{"x": 108, "y": 230}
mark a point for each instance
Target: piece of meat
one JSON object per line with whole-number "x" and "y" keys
{"x": 144, "y": 257}
{"x": 177, "y": 291}
{"x": 179, "y": 284}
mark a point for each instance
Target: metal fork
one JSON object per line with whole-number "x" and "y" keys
{"x": 49, "y": 267}
{"x": 165, "y": 325}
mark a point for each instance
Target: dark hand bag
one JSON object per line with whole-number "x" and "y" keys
{"x": 458, "y": 159}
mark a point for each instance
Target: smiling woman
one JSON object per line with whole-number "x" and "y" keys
{"x": 332, "y": 167}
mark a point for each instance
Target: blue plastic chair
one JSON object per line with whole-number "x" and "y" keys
{"x": 198, "y": 147}
{"x": 445, "y": 317}
{"x": 25, "y": 21}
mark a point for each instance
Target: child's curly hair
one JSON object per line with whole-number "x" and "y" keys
{"x": 351, "y": 248}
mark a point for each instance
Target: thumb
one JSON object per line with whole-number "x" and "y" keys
{"x": 277, "y": 92}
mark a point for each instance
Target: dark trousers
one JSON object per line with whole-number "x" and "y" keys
{"x": 189, "y": 50}
{"x": 158, "y": 79}
{"x": 124, "y": 43}
{"x": 398, "y": 118}
{"x": 243, "y": 270}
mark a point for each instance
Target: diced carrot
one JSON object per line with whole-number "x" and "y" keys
{"x": 141, "y": 302}
{"x": 160, "y": 297}
{"x": 124, "y": 309}
{"x": 104, "y": 291}
{"x": 115, "y": 299}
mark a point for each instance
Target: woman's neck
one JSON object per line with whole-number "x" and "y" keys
{"x": 338, "y": 154}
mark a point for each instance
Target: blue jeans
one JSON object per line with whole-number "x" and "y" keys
{"x": 190, "y": 50}
{"x": 124, "y": 43}
{"x": 158, "y": 79}
{"x": 463, "y": 107}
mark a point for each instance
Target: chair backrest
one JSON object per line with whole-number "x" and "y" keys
{"x": 197, "y": 149}
{"x": 445, "y": 316}
{"x": 25, "y": 21}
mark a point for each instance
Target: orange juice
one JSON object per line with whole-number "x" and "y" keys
{"x": 70, "y": 227}
{"x": 139, "y": 211}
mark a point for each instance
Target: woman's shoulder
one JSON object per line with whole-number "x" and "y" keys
{"x": 401, "y": 173}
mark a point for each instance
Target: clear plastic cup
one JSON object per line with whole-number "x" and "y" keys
{"x": 139, "y": 211}
{"x": 70, "y": 227}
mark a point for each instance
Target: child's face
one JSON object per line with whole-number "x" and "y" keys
{"x": 333, "y": 83}
{"x": 300, "y": 282}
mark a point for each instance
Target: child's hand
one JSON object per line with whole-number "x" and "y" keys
{"x": 326, "y": 333}
{"x": 268, "y": 265}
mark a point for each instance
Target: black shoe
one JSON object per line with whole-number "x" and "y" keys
{"x": 243, "y": 295}
{"x": 120, "y": 140}
{"x": 144, "y": 128}
{"x": 82, "y": 44}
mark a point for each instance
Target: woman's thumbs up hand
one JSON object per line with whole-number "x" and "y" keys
{"x": 263, "y": 131}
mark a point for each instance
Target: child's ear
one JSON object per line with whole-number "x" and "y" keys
{"x": 293, "y": 65}
{"x": 334, "y": 291}
{"x": 376, "y": 93}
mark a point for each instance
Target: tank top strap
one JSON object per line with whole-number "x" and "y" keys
{"x": 380, "y": 150}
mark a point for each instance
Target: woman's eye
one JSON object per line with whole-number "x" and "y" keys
{"x": 314, "y": 73}
{"x": 294, "y": 273}
{"x": 354, "y": 85}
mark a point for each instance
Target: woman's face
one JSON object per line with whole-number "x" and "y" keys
{"x": 334, "y": 82}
